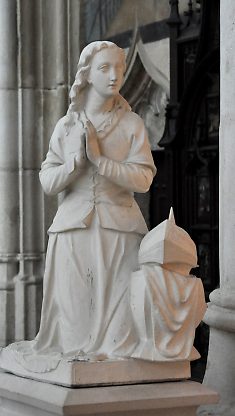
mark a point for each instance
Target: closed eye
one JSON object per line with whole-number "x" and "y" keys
{"x": 104, "y": 67}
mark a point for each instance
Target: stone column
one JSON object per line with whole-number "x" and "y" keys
{"x": 220, "y": 373}
{"x": 29, "y": 277}
{"x": 39, "y": 49}
{"x": 9, "y": 187}
{"x": 42, "y": 91}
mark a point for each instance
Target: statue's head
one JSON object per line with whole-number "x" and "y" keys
{"x": 93, "y": 66}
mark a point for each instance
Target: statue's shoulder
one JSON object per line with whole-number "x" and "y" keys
{"x": 61, "y": 124}
{"x": 59, "y": 132}
{"x": 134, "y": 117}
{"x": 133, "y": 120}
{"x": 128, "y": 118}
{"x": 63, "y": 127}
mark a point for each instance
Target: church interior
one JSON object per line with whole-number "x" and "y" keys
{"x": 173, "y": 81}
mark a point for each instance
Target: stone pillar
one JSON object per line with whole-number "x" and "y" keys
{"x": 29, "y": 277}
{"x": 220, "y": 372}
{"x": 39, "y": 50}
{"x": 9, "y": 186}
{"x": 43, "y": 73}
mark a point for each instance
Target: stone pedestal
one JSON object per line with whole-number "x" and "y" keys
{"x": 88, "y": 373}
{"x": 23, "y": 397}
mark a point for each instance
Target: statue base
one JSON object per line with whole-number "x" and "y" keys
{"x": 21, "y": 397}
{"x": 108, "y": 372}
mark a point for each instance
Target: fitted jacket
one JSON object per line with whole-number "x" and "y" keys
{"x": 126, "y": 166}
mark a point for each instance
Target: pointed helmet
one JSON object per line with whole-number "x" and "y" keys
{"x": 168, "y": 244}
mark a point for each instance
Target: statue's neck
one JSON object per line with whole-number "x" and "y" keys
{"x": 97, "y": 106}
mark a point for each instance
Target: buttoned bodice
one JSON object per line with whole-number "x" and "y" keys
{"x": 126, "y": 167}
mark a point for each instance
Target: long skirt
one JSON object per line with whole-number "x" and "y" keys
{"x": 86, "y": 303}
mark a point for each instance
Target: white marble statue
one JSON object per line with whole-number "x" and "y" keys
{"x": 98, "y": 157}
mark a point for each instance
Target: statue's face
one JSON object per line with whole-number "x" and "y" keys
{"x": 106, "y": 73}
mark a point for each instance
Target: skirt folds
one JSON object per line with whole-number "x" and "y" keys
{"x": 86, "y": 305}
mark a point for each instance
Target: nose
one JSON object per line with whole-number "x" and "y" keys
{"x": 113, "y": 74}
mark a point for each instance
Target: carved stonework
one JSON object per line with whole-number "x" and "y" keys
{"x": 152, "y": 109}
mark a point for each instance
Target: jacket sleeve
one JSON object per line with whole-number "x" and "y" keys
{"x": 57, "y": 173}
{"x": 137, "y": 171}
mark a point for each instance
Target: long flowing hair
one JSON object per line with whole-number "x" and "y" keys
{"x": 77, "y": 93}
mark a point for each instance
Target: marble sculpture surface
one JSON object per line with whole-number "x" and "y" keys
{"x": 109, "y": 292}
